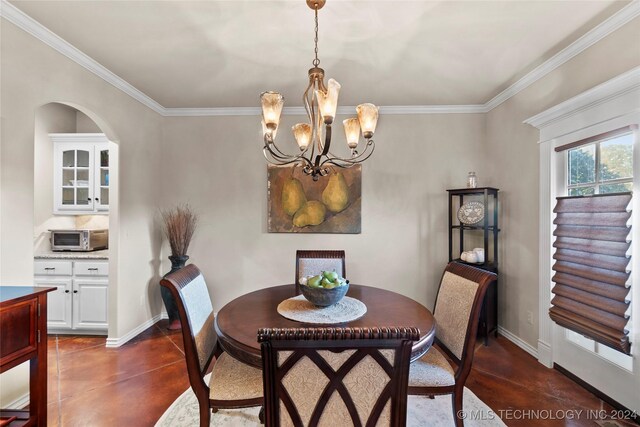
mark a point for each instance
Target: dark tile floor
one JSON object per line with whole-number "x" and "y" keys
{"x": 90, "y": 385}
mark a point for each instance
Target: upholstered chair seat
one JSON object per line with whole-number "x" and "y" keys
{"x": 431, "y": 370}
{"x": 234, "y": 380}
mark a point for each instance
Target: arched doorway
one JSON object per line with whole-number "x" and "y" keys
{"x": 58, "y": 191}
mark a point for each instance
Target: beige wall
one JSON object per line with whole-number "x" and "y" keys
{"x": 216, "y": 164}
{"x": 514, "y": 163}
{"x": 33, "y": 75}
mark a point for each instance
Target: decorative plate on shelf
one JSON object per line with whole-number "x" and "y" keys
{"x": 471, "y": 213}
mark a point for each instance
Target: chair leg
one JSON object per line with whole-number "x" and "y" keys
{"x": 205, "y": 415}
{"x": 456, "y": 404}
{"x": 261, "y": 415}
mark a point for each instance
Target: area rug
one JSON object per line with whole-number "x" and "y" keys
{"x": 422, "y": 412}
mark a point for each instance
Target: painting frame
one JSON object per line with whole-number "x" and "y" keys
{"x": 296, "y": 203}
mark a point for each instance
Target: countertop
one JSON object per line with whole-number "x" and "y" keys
{"x": 103, "y": 254}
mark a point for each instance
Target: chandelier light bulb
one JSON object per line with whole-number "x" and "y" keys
{"x": 267, "y": 131}
{"x": 302, "y": 134}
{"x": 272, "y": 103}
{"x": 352, "y": 131}
{"x": 368, "y": 117}
{"x": 329, "y": 101}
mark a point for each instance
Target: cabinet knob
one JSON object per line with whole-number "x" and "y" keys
{"x": 75, "y": 292}
{"x": 89, "y": 199}
{"x": 97, "y": 200}
{"x": 66, "y": 292}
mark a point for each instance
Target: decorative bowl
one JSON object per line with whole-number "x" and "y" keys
{"x": 324, "y": 297}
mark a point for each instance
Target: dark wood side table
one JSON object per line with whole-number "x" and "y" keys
{"x": 237, "y": 323}
{"x": 23, "y": 337}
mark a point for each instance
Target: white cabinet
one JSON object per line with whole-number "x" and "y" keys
{"x": 89, "y": 303}
{"x": 80, "y": 173}
{"x": 58, "y": 301}
{"x": 80, "y": 301}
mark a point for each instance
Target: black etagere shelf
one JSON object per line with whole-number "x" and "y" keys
{"x": 488, "y": 230}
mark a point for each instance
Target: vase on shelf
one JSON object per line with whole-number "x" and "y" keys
{"x": 177, "y": 262}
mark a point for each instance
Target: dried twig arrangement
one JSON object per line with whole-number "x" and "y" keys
{"x": 179, "y": 225}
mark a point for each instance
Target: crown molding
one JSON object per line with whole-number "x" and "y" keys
{"x": 616, "y": 87}
{"x": 39, "y": 31}
{"x": 606, "y": 27}
{"x": 343, "y": 110}
{"x": 33, "y": 27}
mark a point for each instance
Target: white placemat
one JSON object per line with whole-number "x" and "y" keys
{"x": 301, "y": 310}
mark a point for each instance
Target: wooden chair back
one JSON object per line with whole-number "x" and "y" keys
{"x": 191, "y": 294}
{"x": 331, "y": 375}
{"x": 312, "y": 262}
{"x": 457, "y": 312}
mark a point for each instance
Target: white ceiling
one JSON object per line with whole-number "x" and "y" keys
{"x": 225, "y": 53}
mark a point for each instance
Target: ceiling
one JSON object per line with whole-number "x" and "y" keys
{"x": 203, "y": 54}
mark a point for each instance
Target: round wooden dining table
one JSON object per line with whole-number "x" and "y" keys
{"x": 237, "y": 323}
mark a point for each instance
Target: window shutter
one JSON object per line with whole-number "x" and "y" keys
{"x": 592, "y": 267}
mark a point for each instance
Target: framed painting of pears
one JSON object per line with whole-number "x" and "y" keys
{"x": 298, "y": 204}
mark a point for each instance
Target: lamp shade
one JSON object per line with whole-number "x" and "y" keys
{"x": 302, "y": 134}
{"x": 368, "y": 117}
{"x": 272, "y": 103}
{"x": 352, "y": 131}
{"x": 328, "y": 101}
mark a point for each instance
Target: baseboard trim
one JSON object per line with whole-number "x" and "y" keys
{"x": 600, "y": 395}
{"x": 118, "y": 342}
{"x": 518, "y": 341}
{"x": 19, "y": 403}
{"x": 544, "y": 354}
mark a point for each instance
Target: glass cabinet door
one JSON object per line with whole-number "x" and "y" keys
{"x": 76, "y": 186}
{"x": 81, "y": 173}
{"x": 101, "y": 196}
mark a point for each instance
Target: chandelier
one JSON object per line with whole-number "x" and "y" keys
{"x": 321, "y": 103}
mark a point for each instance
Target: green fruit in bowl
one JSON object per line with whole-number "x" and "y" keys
{"x": 315, "y": 281}
{"x": 331, "y": 275}
{"x": 326, "y": 283}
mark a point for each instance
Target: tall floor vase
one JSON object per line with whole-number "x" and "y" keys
{"x": 177, "y": 262}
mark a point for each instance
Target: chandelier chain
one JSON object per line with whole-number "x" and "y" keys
{"x": 316, "y": 61}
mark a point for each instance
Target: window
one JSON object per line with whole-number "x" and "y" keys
{"x": 602, "y": 167}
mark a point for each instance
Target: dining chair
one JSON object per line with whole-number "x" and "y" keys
{"x": 457, "y": 312}
{"x": 233, "y": 384}
{"x": 327, "y": 376}
{"x": 312, "y": 262}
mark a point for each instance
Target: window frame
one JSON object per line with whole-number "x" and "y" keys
{"x": 601, "y": 351}
{"x": 598, "y": 172}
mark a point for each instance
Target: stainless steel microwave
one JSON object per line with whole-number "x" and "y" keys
{"x": 79, "y": 240}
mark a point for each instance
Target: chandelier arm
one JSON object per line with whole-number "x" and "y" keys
{"x": 286, "y": 159}
{"x": 282, "y": 162}
{"x": 354, "y": 160}
{"x": 308, "y": 106}
{"x": 269, "y": 142}
{"x": 283, "y": 154}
